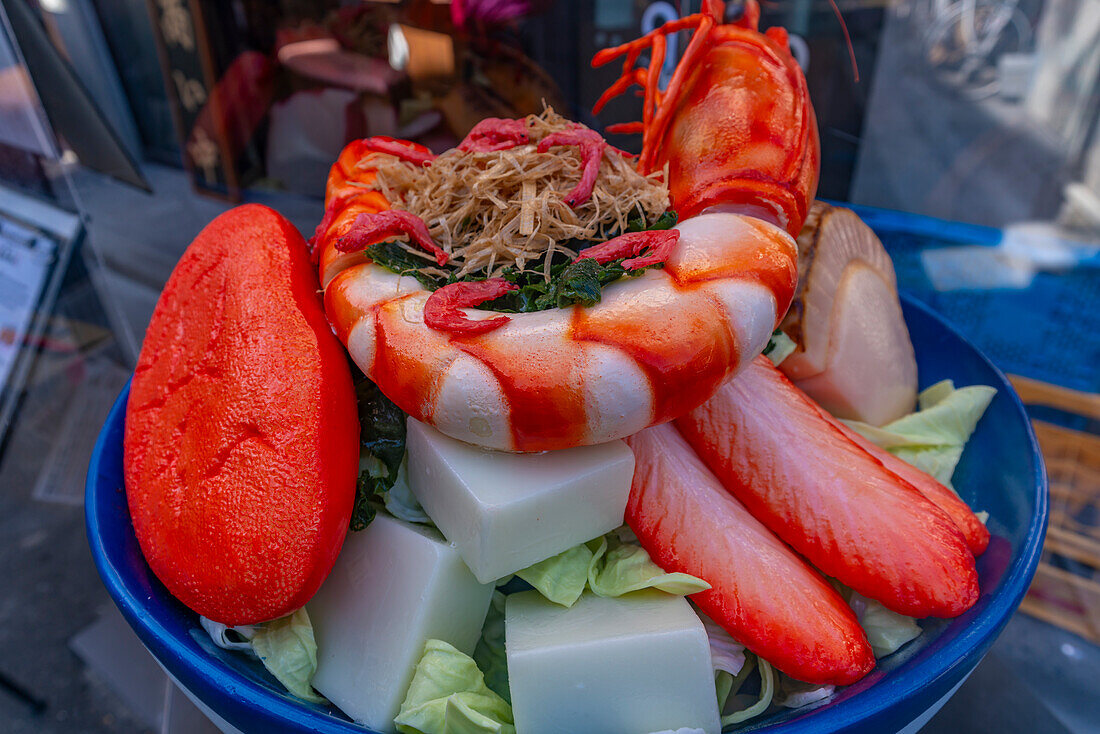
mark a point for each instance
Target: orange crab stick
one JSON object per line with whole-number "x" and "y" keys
{"x": 976, "y": 534}
{"x": 766, "y": 597}
{"x": 828, "y": 498}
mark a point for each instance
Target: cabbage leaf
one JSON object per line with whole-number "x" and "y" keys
{"x": 288, "y": 650}
{"x": 932, "y": 439}
{"x": 448, "y": 695}
{"x": 726, "y": 654}
{"x": 229, "y": 638}
{"x": 794, "y": 694}
{"x": 400, "y": 501}
{"x": 610, "y": 566}
{"x": 561, "y": 578}
{"x": 887, "y": 631}
{"x": 286, "y": 647}
{"x": 619, "y": 568}
{"x": 763, "y": 699}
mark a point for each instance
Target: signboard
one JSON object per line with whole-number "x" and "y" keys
{"x": 25, "y": 260}
{"x": 190, "y": 76}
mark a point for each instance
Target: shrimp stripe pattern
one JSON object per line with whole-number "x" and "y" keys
{"x": 657, "y": 345}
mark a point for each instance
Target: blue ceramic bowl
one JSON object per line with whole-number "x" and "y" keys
{"x": 1001, "y": 472}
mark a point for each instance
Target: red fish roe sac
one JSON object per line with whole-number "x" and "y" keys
{"x": 494, "y": 133}
{"x": 660, "y": 243}
{"x": 591, "y": 147}
{"x": 371, "y": 228}
{"x": 399, "y": 148}
{"x": 242, "y": 440}
{"x": 441, "y": 311}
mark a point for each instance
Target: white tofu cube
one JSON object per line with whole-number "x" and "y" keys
{"x": 394, "y": 587}
{"x": 632, "y": 665}
{"x": 504, "y": 511}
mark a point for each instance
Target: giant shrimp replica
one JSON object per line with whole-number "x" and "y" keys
{"x": 734, "y": 463}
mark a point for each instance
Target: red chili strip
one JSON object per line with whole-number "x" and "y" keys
{"x": 441, "y": 310}
{"x": 403, "y": 149}
{"x": 331, "y": 211}
{"x": 592, "y": 146}
{"x": 659, "y": 241}
{"x": 371, "y": 228}
{"x": 495, "y": 133}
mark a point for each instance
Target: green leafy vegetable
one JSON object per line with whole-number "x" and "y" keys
{"x": 665, "y": 221}
{"x": 620, "y": 568}
{"x": 288, "y": 650}
{"x": 285, "y": 646}
{"x": 561, "y": 578}
{"x": 393, "y": 256}
{"x": 932, "y": 439}
{"x": 381, "y": 449}
{"x": 886, "y": 630}
{"x": 448, "y": 695}
{"x": 579, "y": 282}
{"x": 638, "y": 223}
{"x": 780, "y": 346}
{"x": 490, "y": 654}
{"x": 763, "y": 701}
{"x": 608, "y": 566}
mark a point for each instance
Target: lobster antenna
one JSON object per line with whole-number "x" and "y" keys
{"x": 715, "y": 9}
{"x": 847, "y": 40}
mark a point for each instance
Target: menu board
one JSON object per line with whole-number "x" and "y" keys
{"x": 25, "y": 259}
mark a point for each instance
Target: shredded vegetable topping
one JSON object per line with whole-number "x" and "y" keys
{"x": 498, "y": 209}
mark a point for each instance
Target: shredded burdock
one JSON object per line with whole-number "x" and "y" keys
{"x": 506, "y": 209}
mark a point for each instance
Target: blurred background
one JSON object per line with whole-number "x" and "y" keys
{"x": 966, "y": 132}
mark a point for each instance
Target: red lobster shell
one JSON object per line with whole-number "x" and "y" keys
{"x": 735, "y": 125}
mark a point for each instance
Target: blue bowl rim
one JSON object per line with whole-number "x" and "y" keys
{"x": 212, "y": 677}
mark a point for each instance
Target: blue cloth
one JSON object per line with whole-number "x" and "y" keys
{"x": 1048, "y": 330}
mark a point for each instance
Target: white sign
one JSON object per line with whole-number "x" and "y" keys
{"x": 25, "y": 259}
